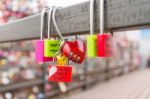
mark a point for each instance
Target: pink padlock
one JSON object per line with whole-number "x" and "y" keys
{"x": 39, "y": 50}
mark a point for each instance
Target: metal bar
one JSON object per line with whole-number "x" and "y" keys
{"x": 119, "y": 14}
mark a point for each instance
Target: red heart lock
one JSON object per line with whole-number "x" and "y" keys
{"x": 75, "y": 50}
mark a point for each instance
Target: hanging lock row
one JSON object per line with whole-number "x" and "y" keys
{"x": 100, "y": 45}
{"x": 46, "y": 49}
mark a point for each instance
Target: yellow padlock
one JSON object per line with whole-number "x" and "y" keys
{"x": 61, "y": 59}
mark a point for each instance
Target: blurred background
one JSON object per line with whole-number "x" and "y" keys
{"x": 22, "y": 78}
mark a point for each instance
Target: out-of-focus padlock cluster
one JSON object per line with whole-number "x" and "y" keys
{"x": 15, "y": 9}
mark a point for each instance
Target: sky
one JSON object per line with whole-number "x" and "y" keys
{"x": 145, "y": 33}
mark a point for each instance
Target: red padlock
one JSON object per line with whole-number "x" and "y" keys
{"x": 104, "y": 45}
{"x": 60, "y": 73}
{"x": 75, "y": 50}
{"x": 104, "y": 41}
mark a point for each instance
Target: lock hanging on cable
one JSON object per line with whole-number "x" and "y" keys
{"x": 60, "y": 73}
{"x": 74, "y": 50}
{"x": 39, "y": 50}
{"x": 51, "y": 45}
{"x": 91, "y": 39}
{"x": 104, "y": 41}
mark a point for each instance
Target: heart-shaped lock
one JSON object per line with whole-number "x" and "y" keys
{"x": 51, "y": 45}
{"x": 74, "y": 50}
{"x": 60, "y": 73}
{"x": 39, "y": 50}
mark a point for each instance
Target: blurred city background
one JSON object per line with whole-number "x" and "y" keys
{"x": 22, "y": 78}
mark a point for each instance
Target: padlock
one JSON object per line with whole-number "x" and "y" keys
{"x": 91, "y": 46}
{"x": 61, "y": 59}
{"x": 51, "y": 45}
{"x": 104, "y": 41}
{"x": 74, "y": 50}
{"x": 104, "y": 45}
{"x": 91, "y": 39}
{"x": 39, "y": 50}
{"x": 60, "y": 73}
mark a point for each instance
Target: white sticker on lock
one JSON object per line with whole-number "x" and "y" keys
{"x": 52, "y": 70}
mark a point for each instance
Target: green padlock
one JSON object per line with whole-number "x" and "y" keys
{"x": 51, "y": 45}
{"x": 91, "y": 46}
{"x": 91, "y": 39}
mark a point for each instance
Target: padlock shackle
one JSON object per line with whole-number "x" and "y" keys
{"x": 55, "y": 24}
{"x": 92, "y": 17}
{"x": 49, "y": 22}
{"x": 102, "y": 16}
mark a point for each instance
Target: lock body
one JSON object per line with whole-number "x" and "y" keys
{"x": 75, "y": 51}
{"x": 60, "y": 74}
{"x": 51, "y": 47}
{"x": 39, "y": 52}
{"x": 91, "y": 46}
{"x": 104, "y": 45}
{"x": 61, "y": 59}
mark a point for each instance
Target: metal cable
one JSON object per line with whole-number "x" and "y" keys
{"x": 55, "y": 24}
